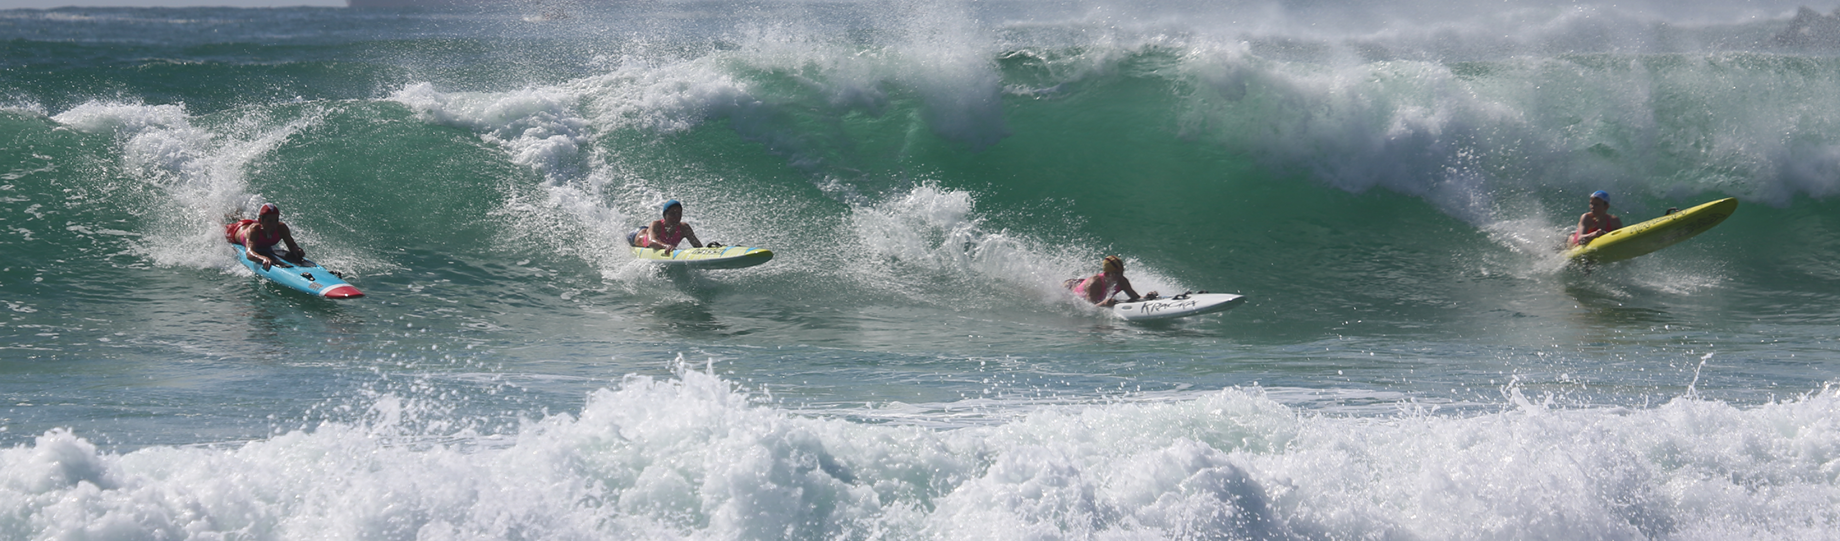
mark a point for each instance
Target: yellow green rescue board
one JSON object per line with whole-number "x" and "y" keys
{"x": 1654, "y": 234}
{"x": 721, "y": 257}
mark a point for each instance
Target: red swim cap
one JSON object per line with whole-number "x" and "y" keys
{"x": 269, "y": 208}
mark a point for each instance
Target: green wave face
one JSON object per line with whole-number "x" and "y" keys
{"x": 936, "y": 158}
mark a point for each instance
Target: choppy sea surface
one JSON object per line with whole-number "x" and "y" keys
{"x": 1388, "y": 182}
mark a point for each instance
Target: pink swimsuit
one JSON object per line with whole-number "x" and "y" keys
{"x": 1080, "y": 288}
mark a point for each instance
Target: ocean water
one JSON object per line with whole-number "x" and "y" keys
{"x": 1387, "y": 182}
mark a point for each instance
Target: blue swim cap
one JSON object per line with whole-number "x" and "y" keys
{"x": 668, "y": 204}
{"x": 1600, "y": 194}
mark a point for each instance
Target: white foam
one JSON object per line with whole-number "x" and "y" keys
{"x": 1535, "y": 22}
{"x": 662, "y": 96}
{"x": 540, "y": 128}
{"x": 1537, "y": 247}
{"x": 1387, "y": 108}
{"x": 948, "y": 60}
{"x": 22, "y": 106}
{"x": 694, "y": 458}
{"x": 1408, "y": 127}
{"x": 1808, "y": 169}
{"x": 1460, "y": 105}
{"x": 558, "y": 132}
{"x": 200, "y": 170}
{"x": 928, "y": 234}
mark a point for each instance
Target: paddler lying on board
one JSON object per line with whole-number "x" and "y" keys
{"x": 1100, "y": 288}
{"x": 1596, "y": 223}
{"x": 259, "y": 236}
{"x": 666, "y": 233}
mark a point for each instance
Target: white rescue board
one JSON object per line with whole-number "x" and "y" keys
{"x": 1184, "y": 305}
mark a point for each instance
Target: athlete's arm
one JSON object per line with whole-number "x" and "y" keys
{"x": 1584, "y": 238}
{"x": 287, "y": 236}
{"x": 1125, "y": 284}
{"x": 651, "y": 236}
{"x": 249, "y": 252}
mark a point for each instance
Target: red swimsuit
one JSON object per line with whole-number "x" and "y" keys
{"x": 235, "y": 233}
{"x": 657, "y": 234}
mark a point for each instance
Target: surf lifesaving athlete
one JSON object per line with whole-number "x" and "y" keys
{"x": 1100, "y": 288}
{"x": 665, "y": 233}
{"x": 258, "y": 237}
{"x": 1597, "y": 222}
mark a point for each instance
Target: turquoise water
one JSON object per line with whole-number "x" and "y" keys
{"x": 1387, "y": 183}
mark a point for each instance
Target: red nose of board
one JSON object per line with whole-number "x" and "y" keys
{"x": 342, "y": 291}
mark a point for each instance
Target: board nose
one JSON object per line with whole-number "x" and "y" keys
{"x": 342, "y": 291}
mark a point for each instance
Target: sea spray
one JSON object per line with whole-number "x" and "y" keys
{"x": 1387, "y": 183}
{"x": 692, "y": 456}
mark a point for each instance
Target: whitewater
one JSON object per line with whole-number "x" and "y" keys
{"x": 1387, "y": 182}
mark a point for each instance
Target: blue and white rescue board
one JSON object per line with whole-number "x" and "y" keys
{"x": 723, "y": 257}
{"x": 1184, "y": 305}
{"x": 309, "y": 278}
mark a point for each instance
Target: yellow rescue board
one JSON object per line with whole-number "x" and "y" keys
{"x": 725, "y": 257}
{"x": 1654, "y": 234}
